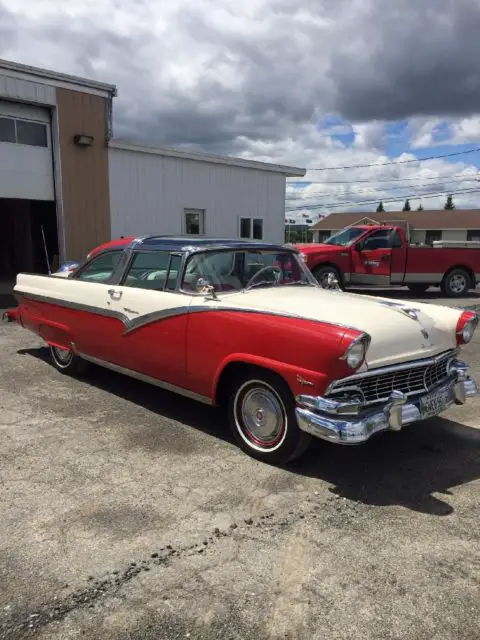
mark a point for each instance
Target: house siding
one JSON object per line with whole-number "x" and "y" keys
{"x": 148, "y": 194}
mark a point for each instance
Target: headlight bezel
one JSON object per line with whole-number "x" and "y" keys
{"x": 466, "y": 326}
{"x": 356, "y": 352}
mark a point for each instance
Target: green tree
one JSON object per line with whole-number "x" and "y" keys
{"x": 449, "y": 204}
{"x": 406, "y": 206}
{"x": 380, "y": 208}
{"x": 419, "y": 208}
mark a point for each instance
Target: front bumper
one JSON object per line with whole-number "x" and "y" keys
{"x": 348, "y": 422}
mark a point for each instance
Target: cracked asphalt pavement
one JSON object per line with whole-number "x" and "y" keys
{"x": 128, "y": 513}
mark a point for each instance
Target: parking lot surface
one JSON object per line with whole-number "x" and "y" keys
{"x": 128, "y": 513}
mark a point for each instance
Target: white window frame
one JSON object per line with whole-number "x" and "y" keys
{"x": 251, "y": 218}
{"x": 203, "y": 216}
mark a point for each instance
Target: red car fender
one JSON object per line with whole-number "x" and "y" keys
{"x": 299, "y": 380}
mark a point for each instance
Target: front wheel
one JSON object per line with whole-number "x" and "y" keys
{"x": 456, "y": 283}
{"x": 261, "y": 413}
{"x": 326, "y": 275}
{"x": 67, "y": 362}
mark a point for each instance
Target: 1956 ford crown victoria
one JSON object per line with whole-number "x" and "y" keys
{"x": 245, "y": 325}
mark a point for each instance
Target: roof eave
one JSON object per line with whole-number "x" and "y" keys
{"x": 287, "y": 171}
{"x": 46, "y": 74}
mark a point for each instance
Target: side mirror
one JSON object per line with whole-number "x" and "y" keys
{"x": 358, "y": 246}
{"x": 204, "y": 286}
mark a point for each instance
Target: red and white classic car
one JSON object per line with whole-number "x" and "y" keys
{"x": 245, "y": 325}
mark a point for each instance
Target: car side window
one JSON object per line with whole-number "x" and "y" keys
{"x": 396, "y": 240}
{"x": 100, "y": 269}
{"x": 151, "y": 269}
{"x": 378, "y": 240}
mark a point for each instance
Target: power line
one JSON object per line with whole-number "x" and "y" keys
{"x": 316, "y": 196}
{"x": 384, "y": 164}
{"x": 458, "y": 176}
{"x": 375, "y": 201}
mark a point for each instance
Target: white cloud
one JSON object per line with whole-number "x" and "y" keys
{"x": 255, "y": 78}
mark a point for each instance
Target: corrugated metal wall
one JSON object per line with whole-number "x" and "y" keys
{"x": 85, "y": 192}
{"x": 148, "y": 194}
{"x": 24, "y": 90}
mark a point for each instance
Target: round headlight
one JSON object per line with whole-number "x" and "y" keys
{"x": 356, "y": 354}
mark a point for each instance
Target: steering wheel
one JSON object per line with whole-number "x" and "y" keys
{"x": 276, "y": 271}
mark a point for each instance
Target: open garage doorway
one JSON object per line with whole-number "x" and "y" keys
{"x": 23, "y": 249}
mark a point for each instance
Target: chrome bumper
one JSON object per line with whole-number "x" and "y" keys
{"x": 348, "y": 422}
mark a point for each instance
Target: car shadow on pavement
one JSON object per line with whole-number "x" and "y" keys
{"x": 404, "y": 468}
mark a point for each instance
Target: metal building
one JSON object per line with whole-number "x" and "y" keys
{"x": 61, "y": 173}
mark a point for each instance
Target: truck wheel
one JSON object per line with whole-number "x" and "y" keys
{"x": 418, "y": 288}
{"x": 456, "y": 283}
{"x": 322, "y": 274}
{"x": 67, "y": 362}
{"x": 261, "y": 413}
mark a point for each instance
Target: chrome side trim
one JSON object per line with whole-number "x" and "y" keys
{"x": 78, "y": 306}
{"x": 143, "y": 378}
{"x": 163, "y": 314}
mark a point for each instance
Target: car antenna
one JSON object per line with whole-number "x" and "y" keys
{"x": 46, "y": 252}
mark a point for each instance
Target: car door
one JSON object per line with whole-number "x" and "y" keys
{"x": 371, "y": 258}
{"x": 151, "y": 338}
{"x": 85, "y": 310}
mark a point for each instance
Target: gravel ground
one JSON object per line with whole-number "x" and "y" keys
{"x": 128, "y": 513}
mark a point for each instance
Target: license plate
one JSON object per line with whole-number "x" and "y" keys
{"x": 436, "y": 402}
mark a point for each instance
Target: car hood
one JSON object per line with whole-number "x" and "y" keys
{"x": 396, "y": 336}
{"x": 316, "y": 247}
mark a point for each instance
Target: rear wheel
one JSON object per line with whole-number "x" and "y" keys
{"x": 65, "y": 361}
{"x": 418, "y": 288}
{"x": 456, "y": 283}
{"x": 325, "y": 273}
{"x": 261, "y": 413}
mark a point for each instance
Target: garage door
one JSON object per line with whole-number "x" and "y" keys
{"x": 26, "y": 166}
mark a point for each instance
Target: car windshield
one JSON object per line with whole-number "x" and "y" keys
{"x": 244, "y": 269}
{"x": 346, "y": 237}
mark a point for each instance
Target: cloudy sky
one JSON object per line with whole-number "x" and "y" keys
{"x": 309, "y": 83}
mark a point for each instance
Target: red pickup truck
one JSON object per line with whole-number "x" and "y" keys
{"x": 382, "y": 255}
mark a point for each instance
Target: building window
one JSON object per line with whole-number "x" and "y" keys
{"x": 251, "y": 228}
{"x": 7, "y": 130}
{"x": 23, "y": 132}
{"x": 473, "y": 234}
{"x": 323, "y": 235}
{"x": 31, "y": 133}
{"x": 194, "y": 222}
{"x": 432, "y": 235}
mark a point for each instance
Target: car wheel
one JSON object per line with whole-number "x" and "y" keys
{"x": 261, "y": 411}
{"x": 418, "y": 288}
{"x": 67, "y": 362}
{"x": 323, "y": 274}
{"x": 456, "y": 283}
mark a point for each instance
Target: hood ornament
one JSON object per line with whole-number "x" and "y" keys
{"x": 398, "y": 306}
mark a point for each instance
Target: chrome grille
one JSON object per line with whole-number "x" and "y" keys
{"x": 410, "y": 378}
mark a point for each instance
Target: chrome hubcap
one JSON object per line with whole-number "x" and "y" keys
{"x": 458, "y": 283}
{"x": 327, "y": 278}
{"x": 63, "y": 356}
{"x": 263, "y": 416}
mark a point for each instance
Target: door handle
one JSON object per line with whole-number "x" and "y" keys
{"x": 385, "y": 258}
{"x": 115, "y": 295}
